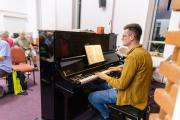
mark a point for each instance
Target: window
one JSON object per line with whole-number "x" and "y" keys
{"x": 161, "y": 24}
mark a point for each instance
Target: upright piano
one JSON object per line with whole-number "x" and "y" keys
{"x": 66, "y": 77}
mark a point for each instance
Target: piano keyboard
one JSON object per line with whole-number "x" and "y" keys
{"x": 83, "y": 79}
{"x": 92, "y": 77}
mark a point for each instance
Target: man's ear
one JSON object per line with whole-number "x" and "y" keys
{"x": 131, "y": 37}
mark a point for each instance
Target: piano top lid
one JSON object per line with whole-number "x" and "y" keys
{"x": 69, "y": 44}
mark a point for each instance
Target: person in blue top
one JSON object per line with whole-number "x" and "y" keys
{"x": 5, "y": 58}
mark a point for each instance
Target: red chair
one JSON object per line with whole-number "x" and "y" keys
{"x": 19, "y": 61}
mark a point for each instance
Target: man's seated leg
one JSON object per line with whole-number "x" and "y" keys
{"x": 34, "y": 58}
{"x": 104, "y": 86}
{"x": 99, "y": 99}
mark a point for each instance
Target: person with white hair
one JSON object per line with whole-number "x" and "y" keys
{"x": 5, "y": 36}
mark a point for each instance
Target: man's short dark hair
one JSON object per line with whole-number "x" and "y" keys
{"x": 135, "y": 28}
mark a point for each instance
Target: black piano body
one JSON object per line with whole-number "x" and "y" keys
{"x": 66, "y": 77}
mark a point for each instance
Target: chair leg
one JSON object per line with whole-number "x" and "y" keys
{"x": 28, "y": 75}
{"x": 34, "y": 77}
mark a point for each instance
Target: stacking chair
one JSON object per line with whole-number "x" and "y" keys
{"x": 19, "y": 61}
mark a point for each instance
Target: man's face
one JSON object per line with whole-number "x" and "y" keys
{"x": 22, "y": 36}
{"x": 127, "y": 37}
{"x": 4, "y": 37}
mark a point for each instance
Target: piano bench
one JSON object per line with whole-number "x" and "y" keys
{"x": 125, "y": 112}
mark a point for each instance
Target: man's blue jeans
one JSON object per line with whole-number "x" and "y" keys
{"x": 99, "y": 99}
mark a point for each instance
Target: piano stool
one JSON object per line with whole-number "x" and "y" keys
{"x": 125, "y": 112}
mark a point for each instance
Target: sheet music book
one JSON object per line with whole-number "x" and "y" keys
{"x": 94, "y": 54}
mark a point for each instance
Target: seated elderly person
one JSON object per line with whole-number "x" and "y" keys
{"x": 26, "y": 45}
{"x": 5, "y": 58}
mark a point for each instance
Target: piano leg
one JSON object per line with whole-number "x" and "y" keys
{"x": 66, "y": 112}
{"x": 74, "y": 104}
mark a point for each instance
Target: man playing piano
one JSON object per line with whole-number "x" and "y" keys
{"x": 132, "y": 87}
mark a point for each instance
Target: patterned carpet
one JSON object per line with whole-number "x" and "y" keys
{"x": 22, "y": 107}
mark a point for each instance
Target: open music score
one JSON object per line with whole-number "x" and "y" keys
{"x": 94, "y": 54}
